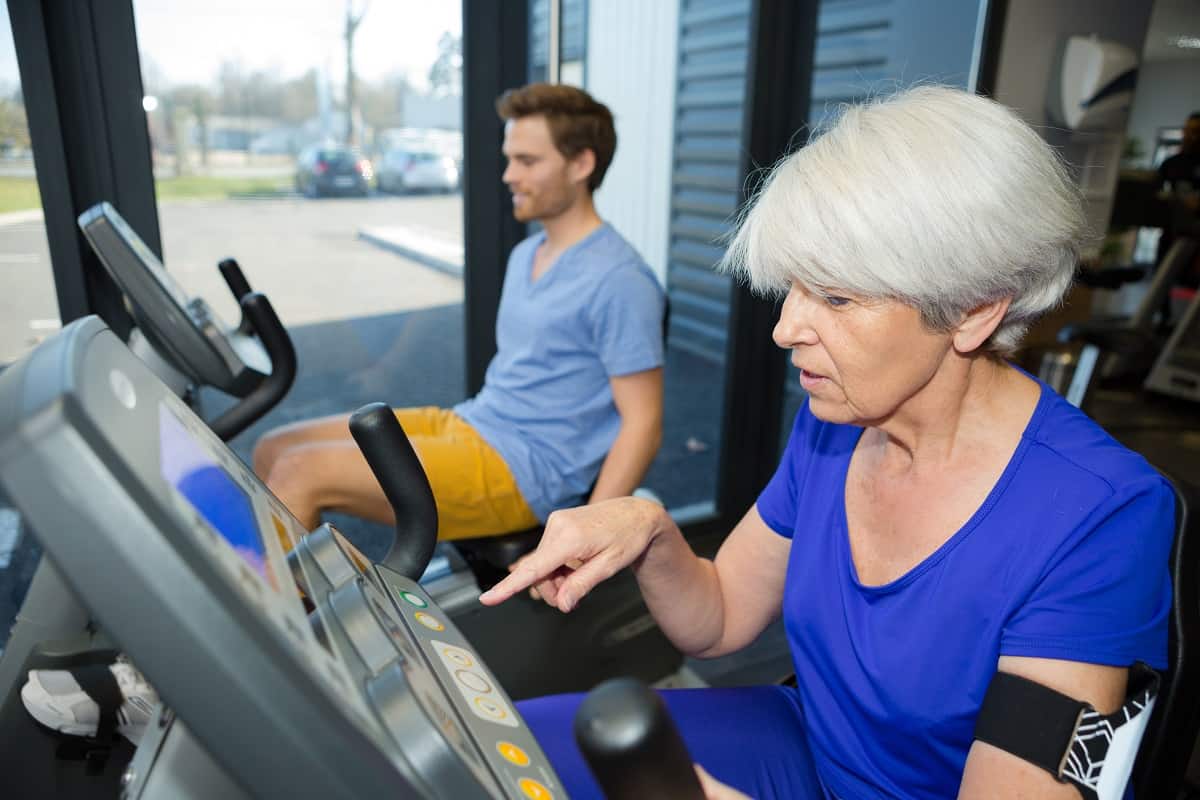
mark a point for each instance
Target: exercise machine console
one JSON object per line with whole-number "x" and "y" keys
{"x": 361, "y": 688}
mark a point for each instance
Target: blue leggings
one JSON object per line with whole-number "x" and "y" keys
{"x": 751, "y": 738}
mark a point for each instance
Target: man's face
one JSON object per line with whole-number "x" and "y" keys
{"x": 543, "y": 182}
{"x": 1191, "y": 136}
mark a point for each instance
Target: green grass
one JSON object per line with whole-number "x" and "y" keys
{"x": 18, "y": 194}
{"x": 209, "y": 188}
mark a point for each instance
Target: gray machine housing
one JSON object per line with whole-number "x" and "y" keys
{"x": 361, "y": 701}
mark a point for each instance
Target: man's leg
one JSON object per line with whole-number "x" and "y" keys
{"x": 474, "y": 488}
{"x": 316, "y": 465}
{"x": 276, "y": 442}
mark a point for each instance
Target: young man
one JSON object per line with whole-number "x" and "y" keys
{"x": 572, "y": 399}
{"x": 573, "y": 396}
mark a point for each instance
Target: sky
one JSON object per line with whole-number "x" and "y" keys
{"x": 187, "y": 40}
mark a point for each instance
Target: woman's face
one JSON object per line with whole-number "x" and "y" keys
{"x": 860, "y": 359}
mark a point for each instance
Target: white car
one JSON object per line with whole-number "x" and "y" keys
{"x": 409, "y": 170}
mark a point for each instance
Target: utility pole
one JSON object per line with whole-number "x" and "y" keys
{"x": 352, "y": 23}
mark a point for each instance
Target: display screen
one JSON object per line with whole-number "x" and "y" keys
{"x": 123, "y": 242}
{"x": 211, "y": 491}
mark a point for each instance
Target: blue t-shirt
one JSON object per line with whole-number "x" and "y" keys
{"x": 1067, "y": 558}
{"x": 546, "y": 404}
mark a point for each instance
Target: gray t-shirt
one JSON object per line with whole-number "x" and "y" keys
{"x": 546, "y": 405}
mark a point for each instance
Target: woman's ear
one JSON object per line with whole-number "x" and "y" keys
{"x": 978, "y": 324}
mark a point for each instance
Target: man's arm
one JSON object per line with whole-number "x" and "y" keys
{"x": 994, "y": 773}
{"x": 639, "y": 401}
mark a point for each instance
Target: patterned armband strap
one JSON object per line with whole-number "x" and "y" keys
{"x": 1068, "y": 738}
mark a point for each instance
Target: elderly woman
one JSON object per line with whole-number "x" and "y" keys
{"x": 938, "y": 515}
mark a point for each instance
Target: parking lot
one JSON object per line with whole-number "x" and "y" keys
{"x": 305, "y": 254}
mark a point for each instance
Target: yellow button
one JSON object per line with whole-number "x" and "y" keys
{"x": 534, "y": 790}
{"x": 513, "y": 754}
{"x": 429, "y": 622}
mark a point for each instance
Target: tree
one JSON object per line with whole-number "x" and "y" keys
{"x": 199, "y": 102}
{"x": 352, "y": 23}
{"x": 445, "y": 76}
{"x": 383, "y": 103}
{"x": 14, "y": 128}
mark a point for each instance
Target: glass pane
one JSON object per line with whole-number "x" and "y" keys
{"x": 918, "y": 47}
{"x": 343, "y": 207}
{"x": 28, "y": 306}
{"x": 706, "y": 144}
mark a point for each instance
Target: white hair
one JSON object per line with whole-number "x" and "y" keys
{"x": 935, "y": 197}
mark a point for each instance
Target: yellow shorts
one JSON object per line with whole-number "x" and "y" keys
{"x": 475, "y": 492}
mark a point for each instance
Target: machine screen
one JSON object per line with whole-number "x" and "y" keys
{"x": 124, "y": 245}
{"x": 210, "y": 490}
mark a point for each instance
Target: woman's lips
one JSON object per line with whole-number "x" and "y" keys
{"x": 809, "y": 380}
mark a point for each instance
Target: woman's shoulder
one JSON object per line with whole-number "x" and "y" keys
{"x": 1072, "y": 447}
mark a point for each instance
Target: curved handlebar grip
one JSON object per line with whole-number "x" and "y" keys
{"x": 632, "y": 745}
{"x": 231, "y": 271}
{"x": 400, "y": 475}
{"x": 263, "y": 322}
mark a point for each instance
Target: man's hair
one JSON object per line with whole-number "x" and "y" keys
{"x": 577, "y": 122}
{"x": 1193, "y": 115}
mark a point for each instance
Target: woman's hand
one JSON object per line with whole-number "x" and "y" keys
{"x": 715, "y": 790}
{"x": 580, "y": 548}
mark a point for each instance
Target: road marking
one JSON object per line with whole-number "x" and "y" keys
{"x": 45, "y": 324}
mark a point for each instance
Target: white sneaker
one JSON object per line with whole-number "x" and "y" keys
{"x": 54, "y": 698}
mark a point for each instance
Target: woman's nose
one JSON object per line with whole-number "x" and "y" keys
{"x": 794, "y": 326}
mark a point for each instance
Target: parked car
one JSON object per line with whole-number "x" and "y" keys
{"x": 332, "y": 170}
{"x": 413, "y": 170}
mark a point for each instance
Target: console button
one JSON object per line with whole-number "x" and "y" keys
{"x": 513, "y": 754}
{"x": 415, "y": 599}
{"x": 429, "y": 621}
{"x": 457, "y": 656}
{"x": 473, "y": 681}
{"x": 491, "y": 708}
{"x": 534, "y": 790}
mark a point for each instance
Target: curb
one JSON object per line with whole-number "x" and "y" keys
{"x": 18, "y": 217}
{"x": 411, "y": 248}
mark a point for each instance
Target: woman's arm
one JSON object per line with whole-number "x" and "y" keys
{"x": 707, "y": 608}
{"x": 994, "y": 773}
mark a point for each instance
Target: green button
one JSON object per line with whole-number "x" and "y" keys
{"x": 416, "y": 600}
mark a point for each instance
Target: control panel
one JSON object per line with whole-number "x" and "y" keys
{"x": 412, "y": 660}
{"x": 342, "y": 679}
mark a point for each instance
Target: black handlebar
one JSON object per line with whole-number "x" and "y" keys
{"x": 235, "y": 279}
{"x": 632, "y": 745}
{"x": 262, "y": 320}
{"x": 400, "y": 475}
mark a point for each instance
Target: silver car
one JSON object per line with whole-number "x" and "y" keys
{"x": 416, "y": 170}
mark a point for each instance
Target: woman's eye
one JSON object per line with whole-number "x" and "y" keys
{"x": 836, "y": 301}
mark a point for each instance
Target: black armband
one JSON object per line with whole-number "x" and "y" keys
{"x": 1066, "y": 737}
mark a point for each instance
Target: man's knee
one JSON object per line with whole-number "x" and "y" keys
{"x": 267, "y": 450}
{"x": 295, "y": 479}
